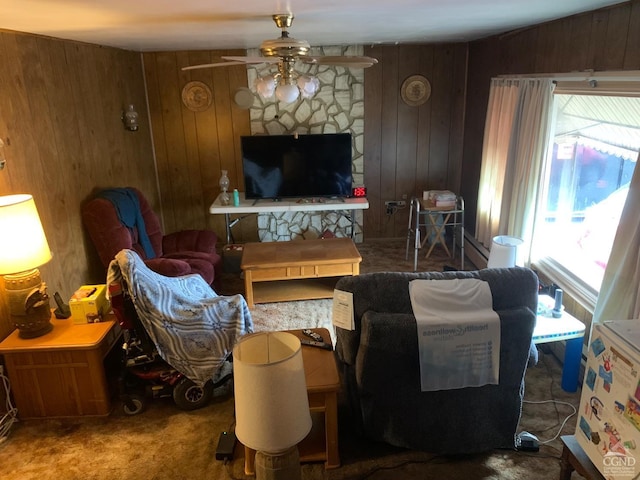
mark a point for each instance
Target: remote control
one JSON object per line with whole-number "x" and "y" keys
{"x": 313, "y": 343}
{"x": 313, "y": 335}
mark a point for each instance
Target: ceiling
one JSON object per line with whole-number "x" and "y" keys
{"x": 163, "y": 25}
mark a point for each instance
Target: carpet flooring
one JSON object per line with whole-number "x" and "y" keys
{"x": 165, "y": 443}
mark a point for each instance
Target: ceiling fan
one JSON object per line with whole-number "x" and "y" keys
{"x": 285, "y": 51}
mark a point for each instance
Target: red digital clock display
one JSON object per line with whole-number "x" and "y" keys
{"x": 359, "y": 192}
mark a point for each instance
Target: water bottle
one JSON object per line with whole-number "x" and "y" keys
{"x": 236, "y": 198}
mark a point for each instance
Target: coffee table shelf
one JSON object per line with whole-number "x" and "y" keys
{"x": 296, "y": 270}
{"x": 290, "y": 290}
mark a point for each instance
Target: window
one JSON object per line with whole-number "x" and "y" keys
{"x": 593, "y": 151}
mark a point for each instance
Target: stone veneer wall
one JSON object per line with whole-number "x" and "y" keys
{"x": 337, "y": 107}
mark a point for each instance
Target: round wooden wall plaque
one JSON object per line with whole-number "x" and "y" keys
{"x": 415, "y": 90}
{"x": 196, "y": 96}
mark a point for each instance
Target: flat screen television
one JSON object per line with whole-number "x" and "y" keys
{"x": 288, "y": 166}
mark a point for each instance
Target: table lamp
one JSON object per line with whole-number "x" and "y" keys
{"x": 272, "y": 407}
{"x": 504, "y": 252}
{"x": 23, "y": 248}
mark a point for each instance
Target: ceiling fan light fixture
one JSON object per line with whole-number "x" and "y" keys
{"x": 308, "y": 85}
{"x": 287, "y": 92}
{"x": 266, "y": 86}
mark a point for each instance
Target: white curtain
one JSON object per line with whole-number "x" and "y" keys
{"x": 619, "y": 297}
{"x": 515, "y": 144}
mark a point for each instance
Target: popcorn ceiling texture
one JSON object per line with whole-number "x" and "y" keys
{"x": 337, "y": 107}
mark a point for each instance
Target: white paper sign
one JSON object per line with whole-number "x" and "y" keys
{"x": 343, "y": 310}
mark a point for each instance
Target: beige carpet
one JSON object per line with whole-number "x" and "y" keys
{"x": 166, "y": 443}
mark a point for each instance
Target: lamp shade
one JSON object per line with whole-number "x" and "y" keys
{"x": 287, "y": 92}
{"x": 504, "y": 252}
{"x": 272, "y": 407}
{"x": 23, "y": 244}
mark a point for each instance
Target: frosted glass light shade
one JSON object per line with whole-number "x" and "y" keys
{"x": 287, "y": 93}
{"x": 266, "y": 86}
{"x": 504, "y": 252}
{"x": 23, "y": 244}
{"x": 308, "y": 85}
{"x": 272, "y": 407}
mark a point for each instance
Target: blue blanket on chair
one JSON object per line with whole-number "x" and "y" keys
{"x": 193, "y": 329}
{"x": 127, "y": 206}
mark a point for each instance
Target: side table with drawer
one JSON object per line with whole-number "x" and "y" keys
{"x": 61, "y": 373}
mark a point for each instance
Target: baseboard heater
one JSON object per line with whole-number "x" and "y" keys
{"x": 475, "y": 252}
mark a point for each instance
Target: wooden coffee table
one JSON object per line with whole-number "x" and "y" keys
{"x": 323, "y": 383}
{"x": 296, "y": 270}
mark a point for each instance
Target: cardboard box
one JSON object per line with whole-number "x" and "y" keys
{"x": 89, "y": 304}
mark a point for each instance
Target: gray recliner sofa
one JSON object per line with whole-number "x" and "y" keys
{"x": 378, "y": 363}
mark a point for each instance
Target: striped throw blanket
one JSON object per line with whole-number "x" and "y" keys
{"x": 193, "y": 328}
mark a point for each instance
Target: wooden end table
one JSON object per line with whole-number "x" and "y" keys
{"x": 61, "y": 373}
{"x": 323, "y": 383}
{"x": 574, "y": 458}
{"x": 296, "y": 270}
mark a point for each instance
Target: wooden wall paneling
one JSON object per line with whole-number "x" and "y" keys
{"x": 240, "y": 121}
{"x": 373, "y": 86}
{"x": 482, "y": 57}
{"x": 207, "y": 142}
{"x": 632, "y": 50}
{"x": 596, "y": 45}
{"x": 615, "y": 37}
{"x": 158, "y": 129}
{"x": 88, "y": 101}
{"x": 389, "y": 136}
{"x": 580, "y": 33}
{"x": 458, "y": 102}
{"x": 57, "y": 91}
{"x": 508, "y": 55}
{"x": 440, "y": 118}
{"x": 424, "y": 125}
{"x": 408, "y": 134}
{"x": 226, "y": 136}
{"x": 178, "y": 182}
{"x": 33, "y": 139}
{"x": 551, "y": 40}
{"x": 61, "y": 103}
{"x": 209, "y": 139}
{"x": 191, "y": 204}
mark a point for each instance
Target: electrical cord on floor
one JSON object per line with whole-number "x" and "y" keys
{"x": 555, "y": 403}
{"x": 9, "y": 418}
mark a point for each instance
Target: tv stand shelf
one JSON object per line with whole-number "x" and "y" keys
{"x": 288, "y": 205}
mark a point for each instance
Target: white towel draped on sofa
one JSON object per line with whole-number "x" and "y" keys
{"x": 458, "y": 333}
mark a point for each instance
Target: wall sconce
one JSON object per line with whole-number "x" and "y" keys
{"x": 23, "y": 248}
{"x": 130, "y": 119}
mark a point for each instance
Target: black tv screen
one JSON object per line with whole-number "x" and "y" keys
{"x": 287, "y": 166}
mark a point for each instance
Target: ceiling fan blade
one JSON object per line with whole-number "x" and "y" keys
{"x": 233, "y": 61}
{"x": 212, "y": 65}
{"x": 340, "y": 61}
{"x": 252, "y": 59}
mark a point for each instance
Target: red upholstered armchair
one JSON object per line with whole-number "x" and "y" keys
{"x": 172, "y": 255}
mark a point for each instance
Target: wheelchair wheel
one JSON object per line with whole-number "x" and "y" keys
{"x": 134, "y": 404}
{"x": 188, "y": 396}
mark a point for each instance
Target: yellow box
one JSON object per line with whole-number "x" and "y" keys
{"x": 89, "y": 304}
